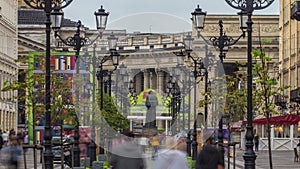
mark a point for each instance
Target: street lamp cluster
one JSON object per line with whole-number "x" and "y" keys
{"x": 222, "y": 42}
{"x": 100, "y": 74}
{"x": 54, "y": 16}
{"x": 77, "y": 42}
{"x": 48, "y": 6}
{"x": 173, "y": 91}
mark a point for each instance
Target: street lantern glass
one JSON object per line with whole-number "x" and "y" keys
{"x": 170, "y": 85}
{"x": 225, "y": 49}
{"x": 112, "y": 41}
{"x": 243, "y": 20}
{"x": 177, "y": 71}
{"x": 180, "y": 58}
{"x": 209, "y": 59}
{"x": 198, "y": 18}
{"x": 115, "y": 58}
{"x": 131, "y": 84}
{"x": 188, "y": 42}
{"x": 56, "y": 19}
{"x": 101, "y": 19}
{"x": 126, "y": 77}
{"x": 122, "y": 69}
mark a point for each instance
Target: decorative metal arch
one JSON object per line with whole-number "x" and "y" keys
{"x": 242, "y": 4}
{"x": 41, "y": 4}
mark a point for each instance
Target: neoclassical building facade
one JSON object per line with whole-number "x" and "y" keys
{"x": 151, "y": 58}
{"x": 8, "y": 65}
{"x": 289, "y": 61}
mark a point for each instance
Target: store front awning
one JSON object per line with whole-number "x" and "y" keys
{"x": 289, "y": 119}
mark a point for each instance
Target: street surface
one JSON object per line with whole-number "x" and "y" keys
{"x": 281, "y": 160}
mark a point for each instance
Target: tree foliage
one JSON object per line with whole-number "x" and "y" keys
{"x": 113, "y": 118}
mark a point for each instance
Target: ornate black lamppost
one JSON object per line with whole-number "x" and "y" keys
{"x": 172, "y": 91}
{"x": 132, "y": 92}
{"x": 247, "y": 7}
{"x": 222, "y": 42}
{"x": 200, "y": 70}
{"x": 47, "y": 6}
{"x": 95, "y": 61}
{"x": 114, "y": 56}
{"x": 78, "y": 42}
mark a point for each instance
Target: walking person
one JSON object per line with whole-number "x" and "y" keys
{"x": 143, "y": 142}
{"x": 155, "y": 145}
{"x": 127, "y": 155}
{"x": 5, "y": 138}
{"x": 209, "y": 157}
{"x": 11, "y": 154}
{"x": 256, "y": 142}
{"x": 170, "y": 157}
{"x": 1, "y": 142}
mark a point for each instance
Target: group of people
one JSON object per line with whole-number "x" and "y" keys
{"x": 11, "y": 147}
{"x": 171, "y": 155}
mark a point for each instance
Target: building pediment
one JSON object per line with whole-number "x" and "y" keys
{"x": 26, "y": 45}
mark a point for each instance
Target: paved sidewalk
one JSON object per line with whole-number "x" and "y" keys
{"x": 281, "y": 160}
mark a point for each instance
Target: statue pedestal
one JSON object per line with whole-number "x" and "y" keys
{"x": 149, "y": 131}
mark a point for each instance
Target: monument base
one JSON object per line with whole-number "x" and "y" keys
{"x": 149, "y": 131}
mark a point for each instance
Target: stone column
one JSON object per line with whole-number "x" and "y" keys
{"x": 160, "y": 81}
{"x": 146, "y": 79}
{"x": 151, "y": 79}
{"x": 138, "y": 83}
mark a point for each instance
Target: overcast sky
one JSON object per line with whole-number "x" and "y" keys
{"x": 157, "y": 16}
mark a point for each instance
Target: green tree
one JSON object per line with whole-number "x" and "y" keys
{"x": 33, "y": 85}
{"x": 111, "y": 115}
{"x": 265, "y": 91}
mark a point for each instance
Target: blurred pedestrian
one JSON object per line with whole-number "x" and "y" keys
{"x": 143, "y": 142}
{"x": 20, "y": 137}
{"x": 155, "y": 145}
{"x": 10, "y": 155}
{"x": 1, "y": 142}
{"x": 209, "y": 157}
{"x": 127, "y": 155}
{"x": 5, "y": 138}
{"x": 256, "y": 142}
{"x": 170, "y": 157}
{"x": 26, "y": 138}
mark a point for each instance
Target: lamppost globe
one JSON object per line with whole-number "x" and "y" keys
{"x": 180, "y": 58}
